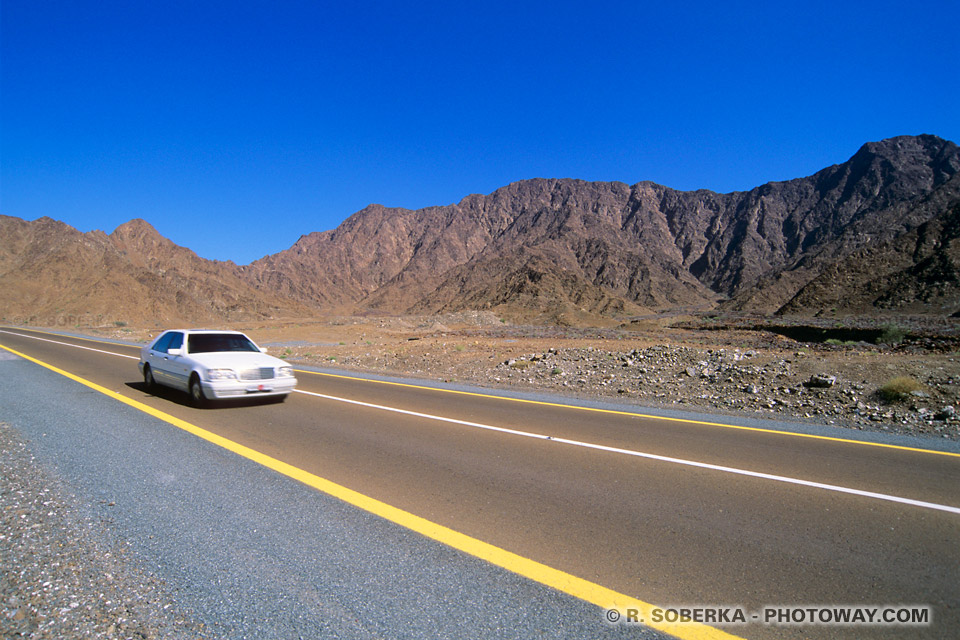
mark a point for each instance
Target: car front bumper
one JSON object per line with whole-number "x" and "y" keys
{"x": 224, "y": 389}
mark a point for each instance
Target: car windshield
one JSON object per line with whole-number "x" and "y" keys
{"x": 211, "y": 342}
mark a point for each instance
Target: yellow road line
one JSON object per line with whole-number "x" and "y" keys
{"x": 638, "y": 415}
{"x": 561, "y": 581}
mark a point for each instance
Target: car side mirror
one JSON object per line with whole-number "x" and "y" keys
{"x": 263, "y": 349}
{"x": 174, "y": 352}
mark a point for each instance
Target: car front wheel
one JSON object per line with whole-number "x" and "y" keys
{"x": 196, "y": 392}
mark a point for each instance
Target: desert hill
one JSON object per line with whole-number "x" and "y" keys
{"x": 876, "y": 234}
{"x": 53, "y": 274}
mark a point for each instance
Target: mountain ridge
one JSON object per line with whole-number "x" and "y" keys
{"x": 553, "y": 250}
{"x": 644, "y": 245}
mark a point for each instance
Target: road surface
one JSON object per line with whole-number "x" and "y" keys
{"x": 672, "y": 513}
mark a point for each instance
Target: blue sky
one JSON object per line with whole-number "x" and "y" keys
{"x": 235, "y": 127}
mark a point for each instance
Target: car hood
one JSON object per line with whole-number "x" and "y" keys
{"x": 236, "y": 360}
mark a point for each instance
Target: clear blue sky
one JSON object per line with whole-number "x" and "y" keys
{"x": 236, "y": 126}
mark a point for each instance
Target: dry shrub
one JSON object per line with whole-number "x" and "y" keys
{"x": 899, "y": 388}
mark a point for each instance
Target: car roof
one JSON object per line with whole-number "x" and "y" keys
{"x": 191, "y": 331}
{"x": 204, "y": 331}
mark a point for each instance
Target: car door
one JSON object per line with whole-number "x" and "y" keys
{"x": 178, "y": 364}
{"x": 154, "y": 356}
{"x": 162, "y": 361}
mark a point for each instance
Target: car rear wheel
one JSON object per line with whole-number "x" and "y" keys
{"x": 196, "y": 392}
{"x": 148, "y": 378}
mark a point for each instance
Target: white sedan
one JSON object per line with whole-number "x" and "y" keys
{"x": 214, "y": 365}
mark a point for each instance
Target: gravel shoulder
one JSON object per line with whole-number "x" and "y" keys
{"x": 63, "y": 573}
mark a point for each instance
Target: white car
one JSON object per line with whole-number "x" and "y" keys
{"x": 214, "y": 365}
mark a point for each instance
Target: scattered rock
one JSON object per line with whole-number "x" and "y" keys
{"x": 820, "y": 381}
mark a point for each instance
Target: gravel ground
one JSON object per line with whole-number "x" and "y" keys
{"x": 840, "y": 386}
{"x": 62, "y": 574}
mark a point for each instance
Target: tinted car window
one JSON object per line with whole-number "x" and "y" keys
{"x": 162, "y": 342}
{"x": 176, "y": 341}
{"x": 211, "y": 342}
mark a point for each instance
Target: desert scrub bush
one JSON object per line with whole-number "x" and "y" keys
{"x": 841, "y": 343}
{"x": 521, "y": 364}
{"x": 892, "y": 334}
{"x": 899, "y": 389}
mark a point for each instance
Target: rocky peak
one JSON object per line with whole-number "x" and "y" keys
{"x": 137, "y": 228}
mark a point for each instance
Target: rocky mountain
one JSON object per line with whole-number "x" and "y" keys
{"x": 876, "y": 234}
{"x": 52, "y": 274}
{"x": 562, "y": 248}
{"x": 916, "y": 272}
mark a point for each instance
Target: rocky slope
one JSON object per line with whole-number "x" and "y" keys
{"x": 915, "y": 272}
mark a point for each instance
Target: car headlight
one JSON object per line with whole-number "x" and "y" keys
{"x": 285, "y": 372}
{"x": 221, "y": 374}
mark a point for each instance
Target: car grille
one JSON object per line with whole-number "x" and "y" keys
{"x": 263, "y": 373}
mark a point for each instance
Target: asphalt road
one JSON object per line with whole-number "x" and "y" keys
{"x": 671, "y": 512}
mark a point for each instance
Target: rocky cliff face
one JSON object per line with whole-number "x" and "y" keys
{"x": 869, "y": 200}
